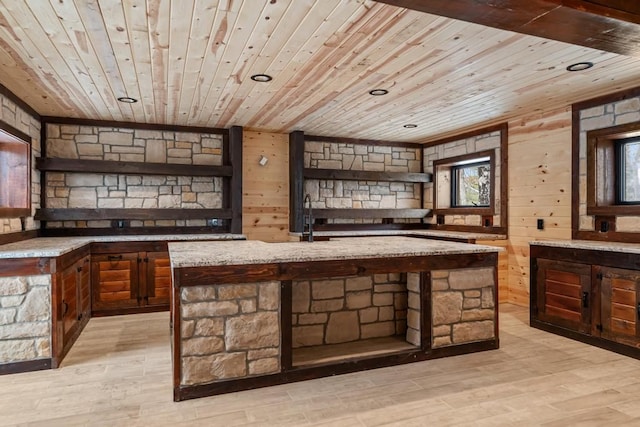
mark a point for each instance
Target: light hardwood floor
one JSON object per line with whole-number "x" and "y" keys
{"x": 118, "y": 374}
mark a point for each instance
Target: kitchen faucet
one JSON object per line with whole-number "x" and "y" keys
{"x": 307, "y": 198}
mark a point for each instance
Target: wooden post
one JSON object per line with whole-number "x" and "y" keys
{"x": 296, "y": 181}
{"x": 235, "y": 157}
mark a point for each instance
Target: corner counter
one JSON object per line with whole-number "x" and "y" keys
{"x": 251, "y": 314}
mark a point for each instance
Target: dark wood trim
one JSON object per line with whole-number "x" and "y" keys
{"x": 128, "y": 247}
{"x": 469, "y": 229}
{"x": 139, "y": 214}
{"x": 130, "y": 125}
{"x": 15, "y": 132}
{"x": 286, "y": 329}
{"x": 14, "y": 212}
{"x": 130, "y": 310}
{"x": 43, "y": 174}
{"x": 605, "y": 99}
{"x": 18, "y": 236}
{"x": 199, "y": 276}
{"x": 235, "y": 155}
{"x": 176, "y": 329}
{"x": 611, "y": 236}
{"x": 356, "y": 175}
{"x": 19, "y": 102}
{"x": 10, "y": 267}
{"x": 371, "y": 213}
{"x": 358, "y": 141}
{"x": 357, "y": 227}
{"x": 310, "y": 372}
{"x": 296, "y": 181}
{"x": 93, "y": 231}
{"x": 135, "y": 168}
{"x": 26, "y": 366}
{"x": 585, "y": 256}
{"x": 575, "y": 170}
{"x": 425, "y": 310}
{"x": 504, "y": 177}
{"x": 489, "y": 129}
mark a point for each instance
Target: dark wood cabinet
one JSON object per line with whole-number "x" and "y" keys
{"x": 130, "y": 282}
{"x": 589, "y": 295}
{"x": 564, "y": 294}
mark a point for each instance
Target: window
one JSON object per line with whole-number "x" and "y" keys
{"x": 465, "y": 185}
{"x": 471, "y": 184}
{"x": 613, "y": 171}
{"x": 627, "y": 164}
{"x": 15, "y": 173}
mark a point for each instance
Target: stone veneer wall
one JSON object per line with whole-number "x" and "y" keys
{"x": 361, "y": 194}
{"x": 229, "y": 331}
{"x": 345, "y": 309}
{"x": 85, "y": 190}
{"x": 25, "y": 318}
{"x": 15, "y": 116}
{"x": 463, "y": 306}
{"x": 413, "y": 309}
{"x": 475, "y": 144}
{"x": 600, "y": 117}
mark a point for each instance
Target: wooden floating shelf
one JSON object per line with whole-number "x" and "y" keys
{"x": 353, "y": 175}
{"x": 134, "y": 214}
{"x": 370, "y": 213}
{"x": 134, "y": 168}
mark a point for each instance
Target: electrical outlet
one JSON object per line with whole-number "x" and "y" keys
{"x": 540, "y": 224}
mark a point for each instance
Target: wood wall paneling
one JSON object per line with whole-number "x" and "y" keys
{"x": 539, "y": 188}
{"x": 265, "y": 188}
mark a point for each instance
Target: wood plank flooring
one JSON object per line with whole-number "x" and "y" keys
{"x": 118, "y": 374}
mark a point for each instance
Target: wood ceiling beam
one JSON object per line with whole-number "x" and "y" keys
{"x": 608, "y": 25}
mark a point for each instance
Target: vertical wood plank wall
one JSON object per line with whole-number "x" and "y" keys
{"x": 539, "y": 187}
{"x": 265, "y": 189}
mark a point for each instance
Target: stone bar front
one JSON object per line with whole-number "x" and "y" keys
{"x": 251, "y": 314}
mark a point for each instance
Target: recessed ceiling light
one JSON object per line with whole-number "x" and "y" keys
{"x": 378, "y": 92}
{"x": 580, "y": 66}
{"x": 262, "y": 78}
{"x": 410, "y": 126}
{"x": 127, "y": 100}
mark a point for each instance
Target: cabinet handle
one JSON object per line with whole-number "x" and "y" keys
{"x": 114, "y": 257}
{"x": 585, "y": 299}
{"x": 639, "y": 310}
{"x": 65, "y": 308}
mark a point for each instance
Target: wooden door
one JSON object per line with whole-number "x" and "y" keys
{"x": 114, "y": 282}
{"x": 84, "y": 288}
{"x": 620, "y": 305}
{"x": 564, "y": 294}
{"x": 157, "y": 278}
{"x": 69, "y": 278}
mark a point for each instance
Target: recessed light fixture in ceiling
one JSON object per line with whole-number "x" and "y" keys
{"x": 410, "y": 126}
{"x": 262, "y": 78}
{"x": 378, "y": 92}
{"x": 580, "y": 66}
{"x": 127, "y": 100}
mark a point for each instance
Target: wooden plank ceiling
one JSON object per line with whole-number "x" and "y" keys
{"x": 189, "y": 62}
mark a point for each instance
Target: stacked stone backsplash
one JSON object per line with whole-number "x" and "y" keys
{"x": 463, "y": 306}
{"x": 86, "y": 190}
{"x": 361, "y": 194}
{"x": 600, "y": 117}
{"x": 229, "y": 331}
{"x": 474, "y": 144}
{"x": 25, "y": 318}
{"x": 345, "y": 309}
{"x": 15, "y": 116}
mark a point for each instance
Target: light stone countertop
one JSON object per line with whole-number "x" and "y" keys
{"x": 188, "y": 254}
{"x": 407, "y": 233}
{"x": 49, "y": 247}
{"x": 630, "y": 248}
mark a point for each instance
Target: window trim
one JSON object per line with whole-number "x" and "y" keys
{"x": 602, "y": 174}
{"x": 455, "y": 182}
{"x": 10, "y": 138}
{"x": 620, "y": 169}
{"x": 449, "y": 163}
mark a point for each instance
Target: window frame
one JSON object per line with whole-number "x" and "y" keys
{"x": 15, "y": 146}
{"x": 455, "y": 182}
{"x": 448, "y": 164}
{"x": 603, "y": 177}
{"x": 620, "y": 170}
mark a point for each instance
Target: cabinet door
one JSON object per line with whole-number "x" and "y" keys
{"x": 620, "y": 305}
{"x": 564, "y": 294}
{"x": 114, "y": 282}
{"x": 84, "y": 288}
{"x": 69, "y": 307}
{"x": 157, "y": 278}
